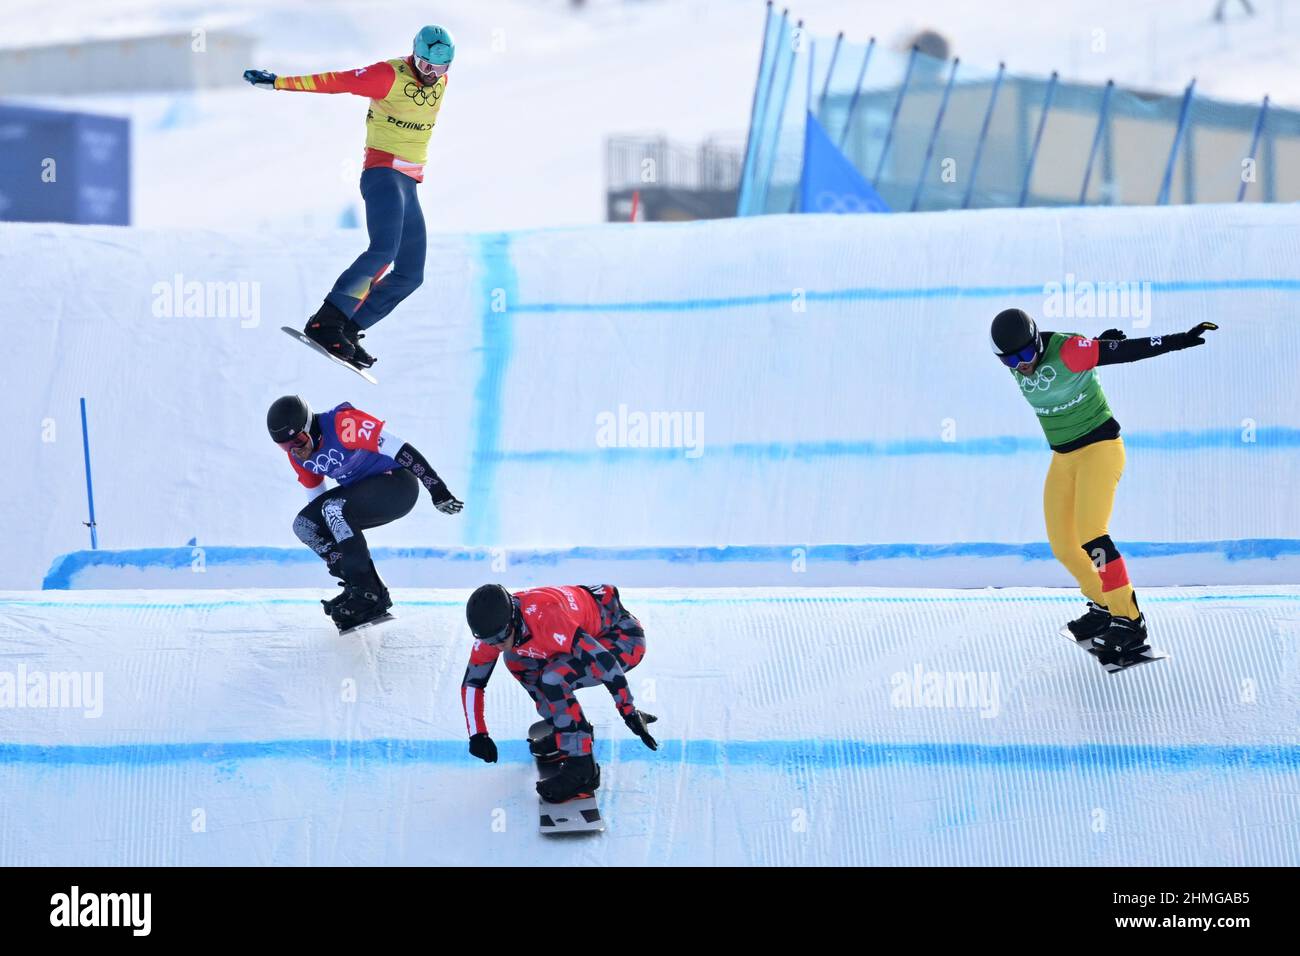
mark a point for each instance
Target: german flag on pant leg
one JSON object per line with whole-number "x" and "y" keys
{"x": 1116, "y": 591}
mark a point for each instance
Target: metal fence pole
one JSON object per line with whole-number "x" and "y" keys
{"x": 780, "y": 121}
{"x": 830, "y": 70}
{"x": 1102, "y": 116}
{"x": 893, "y": 119}
{"x": 1270, "y": 177}
{"x": 857, "y": 92}
{"x": 760, "y": 96}
{"x": 1038, "y": 138}
{"x": 758, "y": 80}
{"x": 934, "y": 135}
{"x": 1163, "y": 198}
{"x": 1254, "y": 145}
{"x": 984, "y": 132}
{"x": 796, "y": 198}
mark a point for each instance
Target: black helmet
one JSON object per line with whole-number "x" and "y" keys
{"x": 288, "y": 416}
{"x": 1013, "y": 331}
{"x": 489, "y": 611}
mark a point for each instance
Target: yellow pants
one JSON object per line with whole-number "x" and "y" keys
{"x": 1077, "y": 500}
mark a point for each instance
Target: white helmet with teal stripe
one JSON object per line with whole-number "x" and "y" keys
{"x": 433, "y": 50}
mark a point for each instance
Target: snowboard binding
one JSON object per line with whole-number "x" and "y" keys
{"x": 364, "y": 602}
{"x": 558, "y": 776}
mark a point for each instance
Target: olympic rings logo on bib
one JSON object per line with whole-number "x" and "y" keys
{"x": 322, "y": 464}
{"x": 422, "y": 95}
{"x": 1040, "y": 381}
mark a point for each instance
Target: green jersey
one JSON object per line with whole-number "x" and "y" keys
{"x": 1069, "y": 404}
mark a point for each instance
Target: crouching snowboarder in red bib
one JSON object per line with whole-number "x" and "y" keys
{"x": 554, "y": 641}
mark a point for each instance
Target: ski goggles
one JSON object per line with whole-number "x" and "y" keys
{"x": 297, "y": 442}
{"x": 429, "y": 68}
{"x": 1027, "y": 354}
{"x": 497, "y": 638}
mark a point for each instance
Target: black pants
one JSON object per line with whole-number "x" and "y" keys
{"x": 331, "y": 525}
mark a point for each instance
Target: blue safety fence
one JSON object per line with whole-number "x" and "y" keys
{"x": 930, "y": 134}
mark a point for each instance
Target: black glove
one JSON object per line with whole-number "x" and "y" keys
{"x": 448, "y": 503}
{"x": 260, "y": 79}
{"x": 1114, "y": 334}
{"x": 636, "y": 722}
{"x": 481, "y": 746}
{"x": 1193, "y": 335}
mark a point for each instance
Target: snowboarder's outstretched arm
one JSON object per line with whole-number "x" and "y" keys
{"x": 410, "y": 458}
{"x": 374, "y": 81}
{"x": 600, "y": 663}
{"x": 482, "y": 661}
{"x": 1112, "y": 347}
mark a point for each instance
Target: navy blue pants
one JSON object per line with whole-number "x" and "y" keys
{"x": 396, "y": 227}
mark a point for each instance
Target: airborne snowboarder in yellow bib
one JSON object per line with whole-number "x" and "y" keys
{"x": 405, "y": 96}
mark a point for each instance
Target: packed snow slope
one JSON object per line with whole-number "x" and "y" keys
{"x": 797, "y": 726}
{"x": 823, "y": 387}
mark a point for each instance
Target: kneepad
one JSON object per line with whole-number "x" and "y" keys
{"x": 1101, "y": 551}
{"x": 1105, "y": 557}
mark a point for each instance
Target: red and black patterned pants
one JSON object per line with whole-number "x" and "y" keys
{"x": 603, "y": 658}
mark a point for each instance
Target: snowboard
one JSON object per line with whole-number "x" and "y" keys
{"x": 581, "y": 815}
{"x": 382, "y": 619}
{"x": 1145, "y": 655}
{"x": 298, "y": 334}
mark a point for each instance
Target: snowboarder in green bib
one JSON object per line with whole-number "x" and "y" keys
{"x": 1057, "y": 374}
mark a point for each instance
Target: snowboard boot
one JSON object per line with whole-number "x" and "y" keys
{"x": 364, "y": 599}
{"x": 1125, "y": 637}
{"x": 1094, "y": 622}
{"x": 360, "y": 606}
{"x": 335, "y": 601}
{"x": 579, "y": 776}
{"x": 360, "y": 357}
{"x": 328, "y": 329}
{"x": 547, "y": 749}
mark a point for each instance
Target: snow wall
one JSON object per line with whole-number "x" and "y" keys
{"x": 829, "y": 411}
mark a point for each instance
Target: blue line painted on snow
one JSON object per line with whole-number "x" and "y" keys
{"x": 1267, "y": 438}
{"x": 977, "y": 596}
{"x": 66, "y": 567}
{"x": 887, "y": 294}
{"x": 787, "y": 755}
{"x": 499, "y": 292}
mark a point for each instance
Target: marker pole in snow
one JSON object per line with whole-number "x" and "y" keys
{"x": 90, "y": 490}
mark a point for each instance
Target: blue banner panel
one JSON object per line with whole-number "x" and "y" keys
{"x": 60, "y": 166}
{"x": 830, "y": 181}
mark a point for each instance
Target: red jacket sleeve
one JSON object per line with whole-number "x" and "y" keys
{"x": 305, "y": 477}
{"x": 356, "y": 429}
{"x": 482, "y": 660}
{"x": 1080, "y": 354}
{"x": 372, "y": 81}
